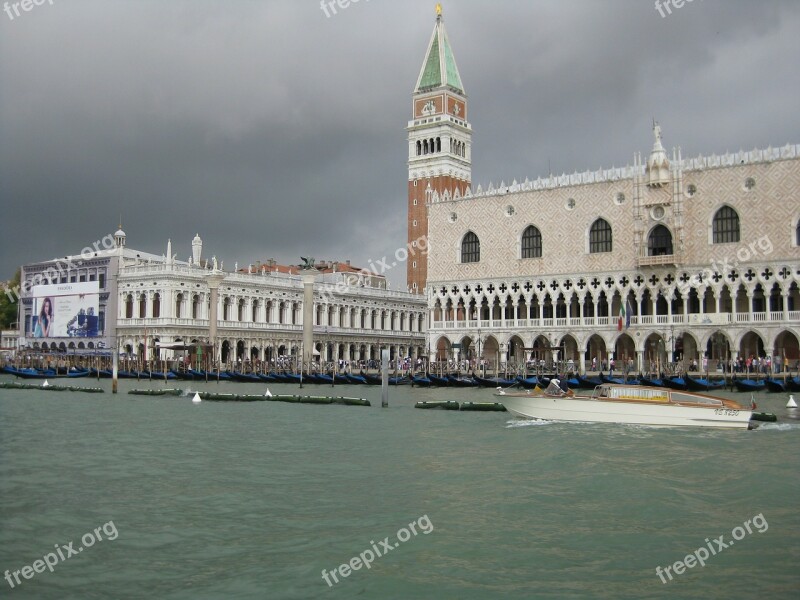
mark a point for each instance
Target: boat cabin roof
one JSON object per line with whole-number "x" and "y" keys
{"x": 636, "y": 393}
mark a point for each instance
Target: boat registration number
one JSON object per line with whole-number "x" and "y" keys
{"x": 728, "y": 412}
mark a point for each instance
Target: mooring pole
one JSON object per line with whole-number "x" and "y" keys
{"x": 114, "y": 369}
{"x": 384, "y": 378}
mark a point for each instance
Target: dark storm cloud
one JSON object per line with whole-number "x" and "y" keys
{"x": 276, "y": 131}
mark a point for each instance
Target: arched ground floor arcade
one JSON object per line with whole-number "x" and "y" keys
{"x": 636, "y": 349}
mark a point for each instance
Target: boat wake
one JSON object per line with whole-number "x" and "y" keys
{"x": 527, "y": 423}
{"x": 778, "y": 427}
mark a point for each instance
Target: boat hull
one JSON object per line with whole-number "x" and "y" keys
{"x": 578, "y": 409}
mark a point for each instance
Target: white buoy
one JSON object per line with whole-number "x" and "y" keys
{"x": 45, "y": 384}
{"x": 791, "y": 403}
{"x": 196, "y": 399}
{"x": 268, "y": 394}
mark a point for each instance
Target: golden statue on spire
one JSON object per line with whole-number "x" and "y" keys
{"x": 438, "y": 9}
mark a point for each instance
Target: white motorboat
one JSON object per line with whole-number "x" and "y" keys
{"x": 632, "y": 404}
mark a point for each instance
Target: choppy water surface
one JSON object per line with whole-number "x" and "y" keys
{"x": 254, "y": 500}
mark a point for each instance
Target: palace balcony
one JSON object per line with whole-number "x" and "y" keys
{"x": 721, "y": 319}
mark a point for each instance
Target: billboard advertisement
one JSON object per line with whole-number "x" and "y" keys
{"x": 66, "y": 310}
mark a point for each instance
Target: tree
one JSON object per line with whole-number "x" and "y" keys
{"x": 9, "y": 302}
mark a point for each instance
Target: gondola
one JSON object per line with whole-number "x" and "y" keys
{"x": 776, "y": 385}
{"x": 463, "y": 381}
{"x": 749, "y": 385}
{"x": 244, "y": 377}
{"x": 651, "y": 381}
{"x": 26, "y": 373}
{"x": 75, "y": 373}
{"x": 421, "y": 381}
{"x": 439, "y": 381}
{"x": 700, "y": 384}
{"x": 494, "y": 381}
{"x": 160, "y": 375}
{"x": 528, "y": 382}
{"x": 675, "y": 383}
{"x": 356, "y": 379}
{"x": 793, "y": 383}
{"x": 588, "y": 383}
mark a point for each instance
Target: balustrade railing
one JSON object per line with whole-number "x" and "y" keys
{"x": 611, "y": 321}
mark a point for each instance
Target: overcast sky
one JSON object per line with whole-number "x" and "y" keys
{"x": 274, "y": 130}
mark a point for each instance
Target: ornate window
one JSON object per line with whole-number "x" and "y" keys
{"x": 470, "y": 248}
{"x": 659, "y": 242}
{"x": 156, "y": 306}
{"x": 600, "y": 239}
{"x": 725, "y": 227}
{"x": 531, "y": 242}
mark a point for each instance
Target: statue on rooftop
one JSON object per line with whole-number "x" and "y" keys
{"x": 308, "y": 263}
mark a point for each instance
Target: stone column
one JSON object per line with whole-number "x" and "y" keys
{"x": 214, "y": 279}
{"x": 309, "y": 275}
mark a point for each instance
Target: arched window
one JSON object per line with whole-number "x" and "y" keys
{"x": 142, "y": 306}
{"x": 438, "y": 144}
{"x": 419, "y": 148}
{"x": 797, "y": 233}
{"x": 600, "y": 237}
{"x": 659, "y": 242}
{"x": 531, "y": 242}
{"x": 196, "y": 307}
{"x": 129, "y": 306}
{"x": 178, "y": 306}
{"x": 156, "y": 306}
{"x": 726, "y": 226}
{"x": 470, "y": 248}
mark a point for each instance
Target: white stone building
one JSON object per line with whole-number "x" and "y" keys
{"x": 153, "y": 305}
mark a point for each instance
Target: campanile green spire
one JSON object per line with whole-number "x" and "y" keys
{"x": 439, "y": 68}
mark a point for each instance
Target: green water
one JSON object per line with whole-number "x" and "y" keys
{"x": 254, "y": 500}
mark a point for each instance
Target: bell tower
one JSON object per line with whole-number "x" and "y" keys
{"x": 439, "y": 144}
